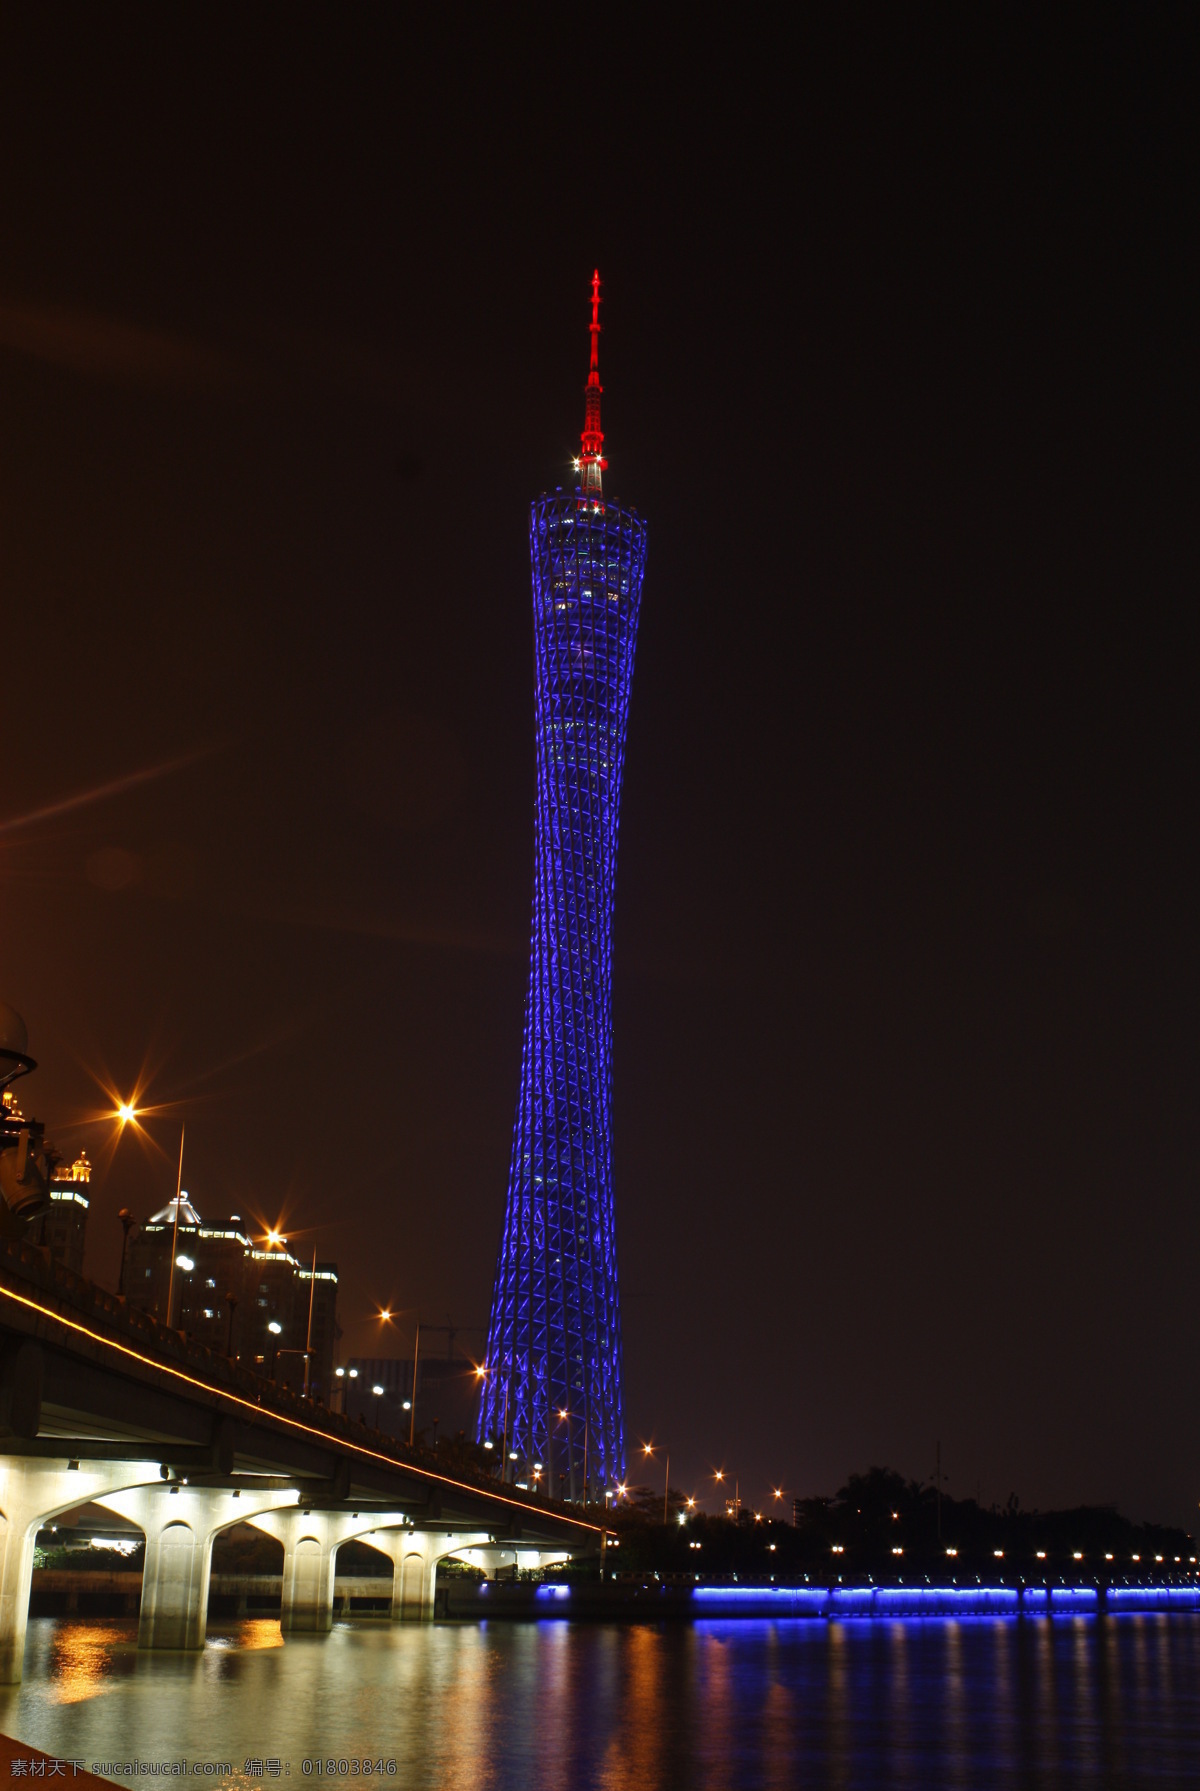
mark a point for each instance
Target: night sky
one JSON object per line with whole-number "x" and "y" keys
{"x": 898, "y": 363}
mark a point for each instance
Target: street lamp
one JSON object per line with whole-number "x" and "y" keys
{"x": 344, "y": 1376}
{"x": 733, "y": 1505}
{"x": 175, "y": 1226}
{"x": 276, "y": 1330}
{"x": 127, "y": 1224}
{"x": 565, "y": 1417}
{"x": 648, "y": 1450}
{"x": 411, "y": 1408}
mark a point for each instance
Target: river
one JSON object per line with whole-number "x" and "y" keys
{"x": 935, "y": 1704}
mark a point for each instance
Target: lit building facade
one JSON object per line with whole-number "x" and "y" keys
{"x": 552, "y": 1393}
{"x": 61, "y": 1227}
{"x": 238, "y": 1297}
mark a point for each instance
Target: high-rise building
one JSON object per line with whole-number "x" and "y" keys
{"x": 553, "y": 1383}
{"x": 250, "y": 1300}
{"x": 62, "y": 1226}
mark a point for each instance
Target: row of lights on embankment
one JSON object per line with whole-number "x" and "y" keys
{"x": 999, "y": 1554}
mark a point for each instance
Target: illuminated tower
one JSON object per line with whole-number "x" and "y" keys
{"x": 552, "y": 1391}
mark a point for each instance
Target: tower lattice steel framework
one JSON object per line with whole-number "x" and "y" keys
{"x": 552, "y": 1388}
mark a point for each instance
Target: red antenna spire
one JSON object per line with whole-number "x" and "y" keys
{"x": 591, "y": 461}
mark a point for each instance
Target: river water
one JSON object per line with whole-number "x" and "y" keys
{"x": 935, "y": 1704}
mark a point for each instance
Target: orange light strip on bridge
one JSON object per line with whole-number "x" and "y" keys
{"x": 259, "y": 1411}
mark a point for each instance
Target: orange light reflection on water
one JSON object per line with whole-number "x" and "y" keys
{"x": 81, "y": 1659}
{"x": 259, "y": 1632}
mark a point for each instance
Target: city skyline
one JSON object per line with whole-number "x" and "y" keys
{"x": 907, "y": 965}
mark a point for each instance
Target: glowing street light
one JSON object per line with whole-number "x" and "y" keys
{"x": 127, "y": 1112}
{"x": 648, "y": 1450}
{"x": 733, "y": 1507}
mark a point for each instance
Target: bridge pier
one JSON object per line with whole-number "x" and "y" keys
{"x": 32, "y": 1491}
{"x": 414, "y": 1556}
{"x": 308, "y": 1567}
{"x": 179, "y": 1523}
{"x": 310, "y": 1541}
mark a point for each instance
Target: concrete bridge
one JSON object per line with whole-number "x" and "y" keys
{"x": 101, "y": 1403}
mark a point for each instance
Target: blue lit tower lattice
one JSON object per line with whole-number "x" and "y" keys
{"x": 552, "y": 1389}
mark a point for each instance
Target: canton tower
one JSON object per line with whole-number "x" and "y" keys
{"x": 552, "y": 1396}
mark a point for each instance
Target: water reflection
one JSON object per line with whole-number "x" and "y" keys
{"x": 714, "y": 1706}
{"x": 83, "y": 1657}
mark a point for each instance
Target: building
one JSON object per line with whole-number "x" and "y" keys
{"x": 447, "y": 1387}
{"x": 40, "y": 1200}
{"x": 62, "y": 1227}
{"x": 252, "y": 1300}
{"x": 554, "y": 1343}
{"x": 25, "y": 1162}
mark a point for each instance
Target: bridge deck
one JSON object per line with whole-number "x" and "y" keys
{"x": 83, "y": 1375}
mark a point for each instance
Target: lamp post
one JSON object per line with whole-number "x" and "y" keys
{"x": 231, "y": 1301}
{"x": 312, "y": 1294}
{"x": 276, "y": 1330}
{"x": 412, "y": 1421}
{"x": 127, "y": 1224}
{"x": 344, "y": 1376}
{"x": 175, "y": 1228}
{"x": 647, "y": 1451}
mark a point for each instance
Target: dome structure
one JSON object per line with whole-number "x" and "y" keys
{"x": 187, "y": 1212}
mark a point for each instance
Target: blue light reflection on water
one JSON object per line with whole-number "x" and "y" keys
{"x": 718, "y": 1704}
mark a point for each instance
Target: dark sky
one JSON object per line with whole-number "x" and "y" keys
{"x": 898, "y": 364}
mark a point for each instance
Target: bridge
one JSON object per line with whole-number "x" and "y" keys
{"x": 101, "y": 1403}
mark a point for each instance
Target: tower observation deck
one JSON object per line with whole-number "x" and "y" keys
{"x": 552, "y": 1398}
